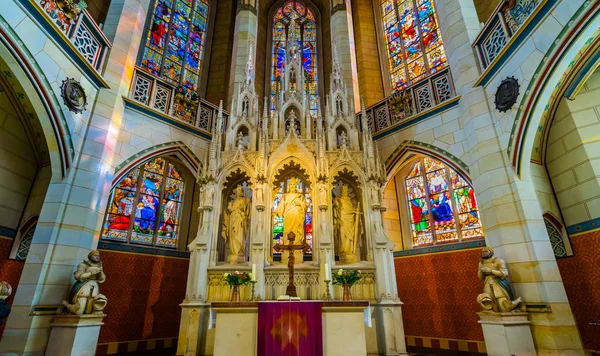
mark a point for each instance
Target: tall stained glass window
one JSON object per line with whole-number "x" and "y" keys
{"x": 175, "y": 41}
{"x": 145, "y": 206}
{"x": 412, "y": 36}
{"x": 306, "y": 30}
{"x": 441, "y": 204}
{"x": 278, "y": 237}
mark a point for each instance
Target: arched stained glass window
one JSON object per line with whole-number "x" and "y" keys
{"x": 25, "y": 244}
{"x": 441, "y": 204}
{"x": 306, "y": 29}
{"x": 414, "y": 45}
{"x": 554, "y": 228}
{"x": 278, "y": 237}
{"x": 175, "y": 41}
{"x": 145, "y": 205}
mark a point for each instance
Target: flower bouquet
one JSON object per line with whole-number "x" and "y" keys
{"x": 347, "y": 278}
{"x": 235, "y": 280}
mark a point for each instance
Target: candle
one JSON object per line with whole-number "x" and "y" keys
{"x": 327, "y": 272}
{"x": 253, "y": 272}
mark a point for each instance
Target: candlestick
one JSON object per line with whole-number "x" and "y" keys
{"x": 252, "y": 298}
{"x": 254, "y": 272}
{"x": 327, "y": 290}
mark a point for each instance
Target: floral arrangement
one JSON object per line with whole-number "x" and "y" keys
{"x": 238, "y": 278}
{"x": 346, "y": 276}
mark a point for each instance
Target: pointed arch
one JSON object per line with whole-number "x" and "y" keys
{"x": 310, "y": 28}
{"x": 563, "y": 64}
{"x": 402, "y": 154}
{"x": 24, "y": 75}
{"x": 177, "y": 148}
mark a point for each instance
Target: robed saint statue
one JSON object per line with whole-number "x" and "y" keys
{"x": 236, "y": 226}
{"x": 346, "y": 218}
{"x": 292, "y": 208}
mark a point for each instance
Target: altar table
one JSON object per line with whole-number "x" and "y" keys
{"x": 342, "y": 326}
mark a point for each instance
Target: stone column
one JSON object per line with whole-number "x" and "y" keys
{"x": 342, "y": 34}
{"x": 509, "y": 208}
{"x": 74, "y": 205}
{"x": 246, "y": 28}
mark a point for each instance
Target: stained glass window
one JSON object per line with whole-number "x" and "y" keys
{"x": 306, "y": 29}
{"x": 25, "y": 244}
{"x": 175, "y": 41}
{"x": 441, "y": 204}
{"x": 553, "y": 228}
{"x": 145, "y": 205}
{"x": 278, "y": 237}
{"x": 412, "y": 36}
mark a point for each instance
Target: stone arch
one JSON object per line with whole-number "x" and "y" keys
{"x": 554, "y": 76}
{"x": 408, "y": 149}
{"x": 22, "y": 73}
{"x": 177, "y": 148}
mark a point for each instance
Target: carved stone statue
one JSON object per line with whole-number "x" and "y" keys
{"x": 343, "y": 140}
{"x": 5, "y": 292}
{"x": 498, "y": 294}
{"x": 240, "y": 140}
{"x": 292, "y": 208}
{"x": 236, "y": 225}
{"x": 346, "y": 219}
{"x": 84, "y": 296}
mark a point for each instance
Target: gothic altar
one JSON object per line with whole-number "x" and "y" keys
{"x": 280, "y": 171}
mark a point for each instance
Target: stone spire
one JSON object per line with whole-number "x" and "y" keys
{"x": 337, "y": 76}
{"x": 214, "y": 150}
{"x": 249, "y": 71}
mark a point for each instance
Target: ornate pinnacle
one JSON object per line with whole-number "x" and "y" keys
{"x": 249, "y": 66}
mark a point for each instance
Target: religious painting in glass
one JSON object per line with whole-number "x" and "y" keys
{"x": 413, "y": 42}
{"x": 175, "y": 42}
{"x": 278, "y": 237}
{"x": 441, "y": 205}
{"x": 149, "y": 215}
{"x": 306, "y": 30}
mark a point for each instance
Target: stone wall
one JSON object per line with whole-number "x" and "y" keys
{"x": 18, "y": 165}
{"x": 370, "y": 78}
{"x": 573, "y": 154}
{"x": 220, "y": 55}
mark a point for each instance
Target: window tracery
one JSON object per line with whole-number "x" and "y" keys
{"x": 412, "y": 37}
{"x": 306, "y": 30}
{"x": 441, "y": 204}
{"x": 145, "y": 205}
{"x": 175, "y": 42}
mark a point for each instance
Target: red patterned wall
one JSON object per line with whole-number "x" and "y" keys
{"x": 439, "y": 292}
{"x": 10, "y": 270}
{"x": 581, "y": 277}
{"x": 144, "y": 293}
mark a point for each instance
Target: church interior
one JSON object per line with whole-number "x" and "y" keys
{"x": 299, "y": 177}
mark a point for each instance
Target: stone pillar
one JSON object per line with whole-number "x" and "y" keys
{"x": 342, "y": 34}
{"x": 507, "y": 333}
{"x": 246, "y": 27}
{"x": 74, "y": 335}
{"x": 74, "y": 205}
{"x": 509, "y": 208}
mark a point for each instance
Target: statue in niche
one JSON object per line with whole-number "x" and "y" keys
{"x": 291, "y": 123}
{"x": 343, "y": 139}
{"x": 346, "y": 220}
{"x": 240, "y": 140}
{"x": 84, "y": 296}
{"x": 498, "y": 294}
{"x": 292, "y": 208}
{"x": 236, "y": 226}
